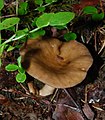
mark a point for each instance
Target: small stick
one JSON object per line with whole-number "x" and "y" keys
{"x": 54, "y": 95}
{"x": 27, "y": 92}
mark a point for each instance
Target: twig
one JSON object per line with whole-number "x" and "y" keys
{"x": 55, "y": 93}
{"x": 95, "y": 41}
{"x": 86, "y": 94}
{"x": 101, "y": 6}
{"x": 27, "y": 92}
{"x": 103, "y": 45}
{"x": 68, "y": 106}
{"x": 6, "y": 16}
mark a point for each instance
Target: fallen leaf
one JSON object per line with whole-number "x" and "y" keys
{"x": 88, "y": 112}
{"x": 65, "y": 109}
{"x": 65, "y": 113}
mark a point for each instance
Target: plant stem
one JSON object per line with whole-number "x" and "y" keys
{"x": 7, "y": 41}
{"x": 14, "y": 38}
{"x": 44, "y": 6}
{"x": 34, "y": 30}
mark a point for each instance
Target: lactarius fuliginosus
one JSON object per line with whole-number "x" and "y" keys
{"x": 55, "y": 63}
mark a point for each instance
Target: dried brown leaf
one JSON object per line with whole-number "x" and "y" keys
{"x": 88, "y": 112}
{"x": 65, "y": 113}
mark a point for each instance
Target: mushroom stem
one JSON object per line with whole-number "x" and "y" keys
{"x": 46, "y": 90}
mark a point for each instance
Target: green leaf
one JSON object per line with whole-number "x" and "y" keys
{"x": 23, "y": 8}
{"x": 41, "y": 9}
{"x": 39, "y": 2}
{"x": 21, "y": 77}
{"x": 98, "y": 17}
{"x": 1, "y": 4}
{"x": 57, "y": 19}
{"x": 44, "y": 20}
{"x": 11, "y": 29}
{"x": 22, "y": 32}
{"x": 61, "y": 18}
{"x": 10, "y": 48}
{"x": 11, "y": 67}
{"x": 70, "y": 36}
{"x": 20, "y": 68}
{"x": 34, "y": 21}
{"x": 90, "y": 10}
{"x": 37, "y": 34}
{"x": 9, "y": 22}
{"x": 50, "y": 1}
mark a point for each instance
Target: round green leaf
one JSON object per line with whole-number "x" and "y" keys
{"x": 61, "y": 18}
{"x": 70, "y": 36}
{"x": 44, "y": 20}
{"x": 90, "y": 10}
{"x": 98, "y": 17}
{"x": 9, "y": 22}
{"x": 21, "y": 77}
{"x": 11, "y": 67}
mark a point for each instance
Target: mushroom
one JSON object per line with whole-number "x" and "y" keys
{"x": 57, "y": 64}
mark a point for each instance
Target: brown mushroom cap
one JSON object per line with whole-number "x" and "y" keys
{"x": 55, "y": 63}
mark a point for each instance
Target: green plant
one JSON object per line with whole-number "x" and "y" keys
{"x": 59, "y": 19}
{"x": 41, "y": 6}
{"x": 23, "y": 8}
{"x": 1, "y": 4}
{"x": 9, "y": 22}
{"x": 21, "y": 76}
{"x": 54, "y": 19}
{"x": 94, "y": 13}
{"x": 46, "y": 19}
{"x": 70, "y": 36}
